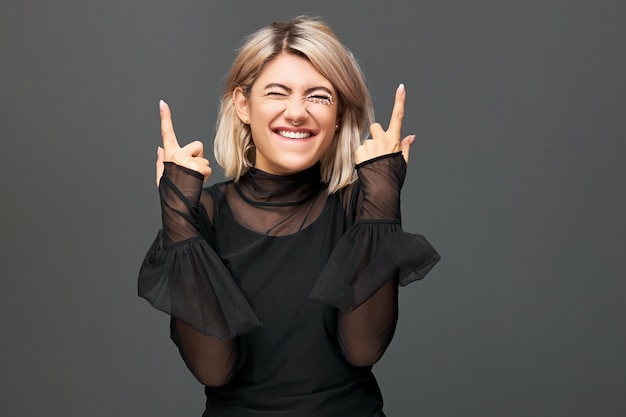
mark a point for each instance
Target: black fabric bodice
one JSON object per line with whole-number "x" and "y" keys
{"x": 293, "y": 362}
{"x": 271, "y": 262}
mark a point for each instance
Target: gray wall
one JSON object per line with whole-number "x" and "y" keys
{"x": 517, "y": 178}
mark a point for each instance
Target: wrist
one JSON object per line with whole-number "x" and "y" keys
{"x": 377, "y": 158}
{"x": 187, "y": 181}
{"x": 381, "y": 179}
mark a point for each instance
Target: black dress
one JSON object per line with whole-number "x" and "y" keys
{"x": 284, "y": 269}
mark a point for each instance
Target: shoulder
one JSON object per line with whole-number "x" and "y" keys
{"x": 218, "y": 187}
{"x": 213, "y": 194}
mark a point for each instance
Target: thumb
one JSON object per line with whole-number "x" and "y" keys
{"x": 405, "y": 146}
{"x": 159, "y": 165}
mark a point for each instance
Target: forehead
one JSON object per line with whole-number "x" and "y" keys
{"x": 292, "y": 71}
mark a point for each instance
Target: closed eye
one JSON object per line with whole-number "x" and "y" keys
{"x": 321, "y": 98}
{"x": 275, "y": 94}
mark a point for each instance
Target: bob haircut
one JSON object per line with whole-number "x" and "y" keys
{"x": 314, "y": 40}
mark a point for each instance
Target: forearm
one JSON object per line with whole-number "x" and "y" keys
{"x": 381, "y": 180}
{"x": 211, "y": 360}
{"x": 179, "y": 190}
{"x": 365, "y": 332}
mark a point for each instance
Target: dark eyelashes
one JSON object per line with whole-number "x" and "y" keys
{"x": 315, "y": 97}
{"x": 320, "y": 96}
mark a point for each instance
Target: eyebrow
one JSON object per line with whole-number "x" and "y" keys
{"x": 307, "y": 91}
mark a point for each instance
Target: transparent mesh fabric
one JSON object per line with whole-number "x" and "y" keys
{"x": 183, "y": 276}
{"x": 273, "y": 205}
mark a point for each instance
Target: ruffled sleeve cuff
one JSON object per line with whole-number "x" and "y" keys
{"x": 190, "y": 282}
{"x": 367, "y": 255}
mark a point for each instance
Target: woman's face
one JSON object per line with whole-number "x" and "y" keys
{"x": 292, "y": 111}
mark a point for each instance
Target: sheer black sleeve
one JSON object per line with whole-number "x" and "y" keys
{"x": 362, "y": 275}
{"x": 375, "y": 248}
{"x": 181, "y": 273}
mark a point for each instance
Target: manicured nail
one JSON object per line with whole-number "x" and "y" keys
{"x": 161, "y": 104}
{"x": 401, "y": 88}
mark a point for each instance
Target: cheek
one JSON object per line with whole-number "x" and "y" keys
{"x": 329, "y": 142}
{"x": 266, "y": 111}
{"x": 258, "y": 133}
{"x": 333, "y": 118}
{"x": 331, "y": 125}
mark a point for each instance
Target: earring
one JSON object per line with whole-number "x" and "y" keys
{"x": 245, "y": 120}
{"x": 337, "y": 127}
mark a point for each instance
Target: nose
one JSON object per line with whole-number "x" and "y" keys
{"x": 296, "y": 110}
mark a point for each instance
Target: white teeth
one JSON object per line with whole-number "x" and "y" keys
{"x": 294, "y": 135}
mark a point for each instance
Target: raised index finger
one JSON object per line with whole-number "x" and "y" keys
{"x": 397, "y": 114}
{"x": 167, "y": 129}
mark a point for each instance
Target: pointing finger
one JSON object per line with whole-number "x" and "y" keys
{"x": 397, "y": 114}
{"x": 170, "y": 144}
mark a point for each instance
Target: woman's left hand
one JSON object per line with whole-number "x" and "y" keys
{"x": 386, "y": 142}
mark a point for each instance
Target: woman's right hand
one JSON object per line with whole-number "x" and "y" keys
{"x": 189, "y": 156}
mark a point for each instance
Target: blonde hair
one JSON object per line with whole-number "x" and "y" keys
{"x": 314, "y": 40}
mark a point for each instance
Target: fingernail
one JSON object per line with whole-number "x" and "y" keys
{"x": 401, "y": 87}
{"x": 412, "y": 139}
{"x": 161, "y": 104}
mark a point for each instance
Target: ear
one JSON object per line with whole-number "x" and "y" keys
{"x": 241, "y": 105}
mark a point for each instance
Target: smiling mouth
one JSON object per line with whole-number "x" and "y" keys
{"x": 294, "y": 135}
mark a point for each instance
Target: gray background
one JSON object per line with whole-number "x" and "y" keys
{"x": 517, "y": 178}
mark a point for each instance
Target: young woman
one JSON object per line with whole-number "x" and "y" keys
{"x": 282, "y": 282}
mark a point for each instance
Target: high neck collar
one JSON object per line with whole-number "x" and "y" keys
{"x": 265, "y": 189}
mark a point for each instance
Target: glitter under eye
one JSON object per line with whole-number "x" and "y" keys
{"x": 320, "y": 98}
